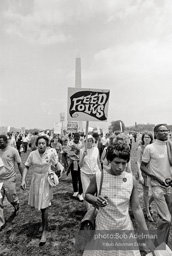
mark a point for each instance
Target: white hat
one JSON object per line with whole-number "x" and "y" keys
{"x": 90, "y": 137}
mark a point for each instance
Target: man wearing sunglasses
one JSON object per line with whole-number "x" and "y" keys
{"x": 155, "y": 163}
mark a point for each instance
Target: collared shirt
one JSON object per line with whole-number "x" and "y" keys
{"x": 156, "y": 156}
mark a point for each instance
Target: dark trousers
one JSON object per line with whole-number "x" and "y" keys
{"x": 25, "y": 146}
{"x": 18, "y": 148}
{"x": 76, "y": 179}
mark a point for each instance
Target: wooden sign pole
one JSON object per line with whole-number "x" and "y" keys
{"x": 86, "y": 132}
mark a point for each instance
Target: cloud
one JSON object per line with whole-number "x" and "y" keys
{"x": 3, "y": 102}
{"x": 51, "y": 21}
{"x": 139, "y": 58}
{"x": 139, "y": 78}
{"x": 40, "y": 25}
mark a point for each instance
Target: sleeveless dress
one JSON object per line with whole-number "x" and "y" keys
{"x": 40, "y": 193}
{"x": 115, "y": 215}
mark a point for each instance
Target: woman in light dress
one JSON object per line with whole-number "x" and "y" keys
{"x": 119, "y": 190}
{"x": 89, "y": 164}
{"x": 40, "y": 194}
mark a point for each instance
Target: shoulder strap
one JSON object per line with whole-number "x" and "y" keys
{"x": 101, "y": 182}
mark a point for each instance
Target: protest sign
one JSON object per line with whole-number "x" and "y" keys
{"x": 62, "y": 117}
{"x": 72, "y": 127}
{"x": 87, "y": 104}
{"x": 22, "y": 130}
{"x": 57, "y": 128}
{"x": 8, "y": 128}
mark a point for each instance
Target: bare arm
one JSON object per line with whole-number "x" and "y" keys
{"x": 99, "y": 164}
{"x": 103, "y": 155}
{"x": 145, "y": 170}
{"x": 21, "y": 168}
{"x": 138, "y": 165}
{"x": 136, "y": 209}
{"x": 138, "y": 160}
{"x": 81, "y": 162}
{"x": 90, "y": 197}
{"x": 23, "y": 183}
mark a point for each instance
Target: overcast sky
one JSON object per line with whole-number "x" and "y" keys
{"x": 124, "y": 46}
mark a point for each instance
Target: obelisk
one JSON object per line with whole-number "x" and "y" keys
{"x": 78, "y": 82}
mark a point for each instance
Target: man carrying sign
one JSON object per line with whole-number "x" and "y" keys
{"x": 74, "y": 167}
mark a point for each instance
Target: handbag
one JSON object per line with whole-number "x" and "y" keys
{"x": 160, "y": 252}
{"x": 88, "y": 222}
{"x": 87, "y": 225}
{"x": 58, "y": 169}
{"x": 53, "y": 179}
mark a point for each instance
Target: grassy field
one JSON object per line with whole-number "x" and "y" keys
{"x": 21, "y": 235}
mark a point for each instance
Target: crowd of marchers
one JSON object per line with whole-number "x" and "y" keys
{"x": 85, "y": 159}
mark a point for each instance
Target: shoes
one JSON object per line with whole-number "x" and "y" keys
{"x": 43, "y": 239}
{"x": 42, "y": 242}
{"x": 75, "y": 194}
{"x": 80, "y": 197}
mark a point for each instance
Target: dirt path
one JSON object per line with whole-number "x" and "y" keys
{"x": 21, "y": 235}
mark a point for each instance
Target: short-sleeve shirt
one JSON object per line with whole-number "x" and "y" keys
{"x": 156, "y": 156}
{"x": 9, "y": 156}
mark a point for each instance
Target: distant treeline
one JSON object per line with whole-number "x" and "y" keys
{"x": 144, "y": 127}
{"x": 4, "y": 129}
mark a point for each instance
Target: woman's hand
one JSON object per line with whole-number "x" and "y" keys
{"x": 23, "y": 185}
{"x": 149, "y": 247}
{"x": 141, "y": 180}
{"x": 84, "y": 153}
{"x": 101, "y": 201}
{"x": 163, "y": 183}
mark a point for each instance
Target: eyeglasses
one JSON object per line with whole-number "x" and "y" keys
{"x": 163, "y": 131}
